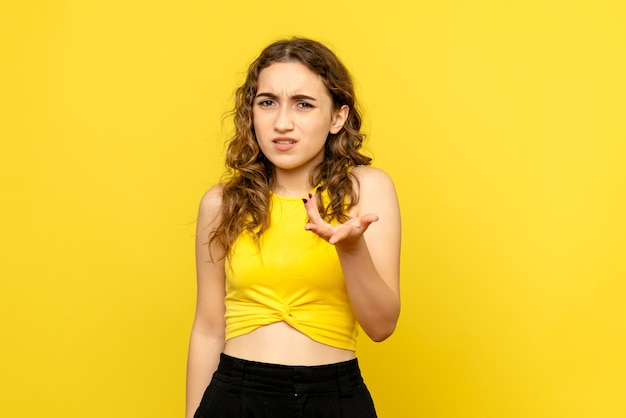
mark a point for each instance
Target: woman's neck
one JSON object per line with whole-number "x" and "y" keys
{"x": 292, "y": 184}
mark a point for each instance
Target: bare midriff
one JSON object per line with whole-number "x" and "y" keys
{"x": 279, "y": 343}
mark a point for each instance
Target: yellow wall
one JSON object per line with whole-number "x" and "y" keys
{"x": 502, "y": 122}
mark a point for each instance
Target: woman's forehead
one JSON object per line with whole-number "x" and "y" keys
{"x": 290, "y": 78}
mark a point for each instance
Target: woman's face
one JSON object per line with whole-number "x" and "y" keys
{"x": 293, "y": 115}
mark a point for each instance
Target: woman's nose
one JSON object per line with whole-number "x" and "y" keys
{"x": 284, "y": 120}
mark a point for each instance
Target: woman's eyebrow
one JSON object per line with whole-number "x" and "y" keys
{"x": 294, "y": 97}
{"x": 303, "y": 97}
{"x": 268, "y": 95}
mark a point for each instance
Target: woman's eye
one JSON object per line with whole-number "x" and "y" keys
{"x": 305, "y": 105}
{"x": 265, "y": 103}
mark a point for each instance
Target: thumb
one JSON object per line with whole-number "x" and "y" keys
{"x": 368, "y": 219}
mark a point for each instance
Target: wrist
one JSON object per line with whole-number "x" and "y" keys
{"x": 351, "y": 247}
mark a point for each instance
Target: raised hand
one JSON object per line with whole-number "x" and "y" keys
{"x": 346, "y": 234}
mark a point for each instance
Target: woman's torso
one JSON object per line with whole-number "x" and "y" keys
{"x": 281, "y": 343}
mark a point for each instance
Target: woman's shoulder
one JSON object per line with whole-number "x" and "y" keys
{"x": 211, "y": 201}
{"x": 376, "y": 191}
{"x": 371, "y": 178}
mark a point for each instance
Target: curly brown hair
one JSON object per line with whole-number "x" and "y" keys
{"x": 249, "y": 178}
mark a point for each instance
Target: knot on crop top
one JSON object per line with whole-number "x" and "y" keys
{"x": 292, "y": 276}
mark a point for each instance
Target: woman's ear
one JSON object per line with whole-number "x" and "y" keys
{"x": 339, "y": 118}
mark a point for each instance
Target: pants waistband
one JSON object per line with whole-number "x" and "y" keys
{"x": 239, "y": 373}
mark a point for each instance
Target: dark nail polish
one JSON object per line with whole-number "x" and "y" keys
{"x": 304, "y": 200}
{"x": 310, "y": 196}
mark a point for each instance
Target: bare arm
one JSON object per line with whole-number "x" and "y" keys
{"x": 207, "y": 334}
{"x": 368, "y": 246}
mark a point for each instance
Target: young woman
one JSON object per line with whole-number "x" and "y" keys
{"x": 299, "y": 244}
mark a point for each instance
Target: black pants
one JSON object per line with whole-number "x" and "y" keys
{"x": 249, "y": 389}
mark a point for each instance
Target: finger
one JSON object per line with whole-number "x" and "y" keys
{"x": 323, "y": 231}
{"x": 368, "y": 219}
{"x": 310, "y": 205}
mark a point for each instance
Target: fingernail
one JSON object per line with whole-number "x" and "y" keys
{"x": 304, "y": 200}
{"x": 310, "y": 195}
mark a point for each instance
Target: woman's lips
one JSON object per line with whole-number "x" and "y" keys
{"x": 284, "y": 144}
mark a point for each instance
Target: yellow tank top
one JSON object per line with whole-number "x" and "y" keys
{"x": 292, "y": 276}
